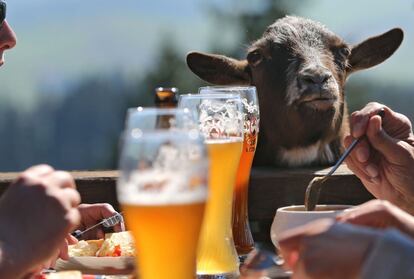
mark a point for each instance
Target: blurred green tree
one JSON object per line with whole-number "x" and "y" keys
{"x": 81, "y": 129}
{"x": 249, "y": 21}
{"x": 170, "y": 68}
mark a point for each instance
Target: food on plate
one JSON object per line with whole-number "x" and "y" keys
{"x": 85, "y": 248}
{"x": 63, "y": 275}
{"x": 114, "y": 245}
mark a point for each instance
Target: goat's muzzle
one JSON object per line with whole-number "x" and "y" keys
{"x": 314, "y": 78}
{"x": 318, "y": 88}
{"x": 319, "y": 103}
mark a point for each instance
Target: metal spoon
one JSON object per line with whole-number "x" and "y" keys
{"x": 313, "y": 190}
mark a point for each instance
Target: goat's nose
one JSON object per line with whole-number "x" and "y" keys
{"x": 314, "y": 76}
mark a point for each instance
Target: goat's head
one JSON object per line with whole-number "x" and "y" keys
{"x": 299, "y": 68}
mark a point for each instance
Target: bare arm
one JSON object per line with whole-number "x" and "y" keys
{"x": 36, "y": 213}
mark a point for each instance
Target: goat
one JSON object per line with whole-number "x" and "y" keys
{"x": 299, "y": 68}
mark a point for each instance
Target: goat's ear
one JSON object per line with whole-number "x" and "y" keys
{"x": 219, "y": 69}
{"x": 374, "y": 50}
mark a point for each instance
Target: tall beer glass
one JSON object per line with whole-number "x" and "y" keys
{"x": 242, "y": 235}
{"x": 162, "y": 190}
{"x": 221, "y": 124}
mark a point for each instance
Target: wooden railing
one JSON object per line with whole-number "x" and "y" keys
{"x": 269, "y": 190}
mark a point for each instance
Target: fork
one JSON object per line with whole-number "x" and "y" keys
{"x": 107, "y": 223}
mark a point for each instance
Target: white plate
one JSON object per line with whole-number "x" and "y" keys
{"x": 98, "y": 265}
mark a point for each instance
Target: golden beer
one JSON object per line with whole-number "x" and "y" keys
{"x": 166, "y": 238}
{"x": 216, "y": 253}
{"x": 243, "y": 239}
{"x": 242, "y": 235}
{"x": 162, "y": 190}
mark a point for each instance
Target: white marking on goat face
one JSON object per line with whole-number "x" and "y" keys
{"x": 301, "y": 156}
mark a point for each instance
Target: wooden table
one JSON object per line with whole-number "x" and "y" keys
{"x": 270, "y": 189}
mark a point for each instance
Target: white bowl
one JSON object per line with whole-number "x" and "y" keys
{"x": 293, "y": 216}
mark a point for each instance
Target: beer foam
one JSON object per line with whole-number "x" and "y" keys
{"x": 162, "y": 187}
{"x": 164, "y": 168}
{"x": 250, "y": 108}
{"x": 220, "y": 119}
{"x": 223, "y": 140}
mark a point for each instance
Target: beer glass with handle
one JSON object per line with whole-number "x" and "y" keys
{"x": 162, "y": 190}
{"x": 220, "y": 122}
{"x": 242, "y": 235}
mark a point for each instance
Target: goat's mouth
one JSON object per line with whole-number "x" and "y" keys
{"x": 320, "y": 103}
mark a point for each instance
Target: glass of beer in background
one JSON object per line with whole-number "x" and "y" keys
{"x": 242, "y": 235}
{"x": 148, "y": 119}
{"x": 162, "y": 190}
{"x": 220, "y": 122}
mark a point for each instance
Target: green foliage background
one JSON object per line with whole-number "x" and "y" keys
{"x": 81, "y": 129}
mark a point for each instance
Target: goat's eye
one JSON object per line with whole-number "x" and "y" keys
{"x": 254, "y": 58}
{"x": 344, "y": 51}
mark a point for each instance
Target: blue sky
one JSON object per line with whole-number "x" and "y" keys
{"x": 59, "y": 41}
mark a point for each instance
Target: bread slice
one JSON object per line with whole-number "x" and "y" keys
{"x": 85, "y": 248}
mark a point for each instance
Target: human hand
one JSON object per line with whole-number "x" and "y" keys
{"x": 90, "y": 215}
{"x": 248, "y": 270}
{"x": 39, "y": 209}
{"x": 384, "y": 159}
{"x": 62, "y": 253}
{"x": 325, "y": 249}
{"x": 381, "y": 215}
{"x": 94, "y": 213}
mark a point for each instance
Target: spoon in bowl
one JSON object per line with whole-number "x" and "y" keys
{"x": 314, "y": 188}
